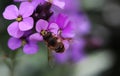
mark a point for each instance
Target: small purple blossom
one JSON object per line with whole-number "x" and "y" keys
{"x": 43, "y": 25}
{"x": 35, "y": 3}
{"x": 20, "y": 0}
{"x": 29, "y": 47}
{"x": 23, "y": 21}
{"x": 58, "y": 3}
{"x": 73, "y": 54}
{"x": 76, "y": 50}
{"x": 70, "y": 7}
{"x": 81, "y": 23}
{"x": 14, "y": 43}
{"x": 65, "y": 26}
{"x": 80, "y": 26}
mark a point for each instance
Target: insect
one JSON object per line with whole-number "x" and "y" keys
{"x": 53, "y": 43}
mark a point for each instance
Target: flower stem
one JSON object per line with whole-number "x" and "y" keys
{"x": 10, "y": 61}
{"x": 13, "y": 62}
{"x": 12, "y": 67}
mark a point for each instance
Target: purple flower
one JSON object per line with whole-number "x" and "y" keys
{"x": 29, "y": 47}
{"x": 14, "y": 43}
{"x": 35, "y": 3}
{"x": 32, "y": 1}
{"x": 80, "y": 26}
{"x": 43, "y": 25}
{"x": 23, "y": 21}
{"x": 58, "y": 3}
{"x": 81, "y": 23}
{"x": 70, "y": 7}
{"x": 73, "y": 54}
{"x": 76, "y": 50}
{"x": 20, "y": 0}
{"x": 65, "y": 27}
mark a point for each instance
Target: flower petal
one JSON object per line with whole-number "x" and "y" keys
{"x": 53, "y": 28}
{"x": 77, "y": 50}
{"x": 58, "y": 3}
{"x": 66, "y": 44}
{"x": 30, "y": 48}
{"x": 14, "y": 43}
{"x": 11, "y": 12}
{"x": 61, "y": 20}
{"x": 63, "y": 57}
{"x": 26, "y": 9}
{"x": 75, "y": 6}
{"x": 68, "y": 32}
{"x": 41, "y": 25}
{"x": 36, "y": 37}
{"x": 81, "y": 23}
{"x": 84, "y": 27}
{"x": 26, "y": 24}
{"x": 19, "y": 0}
{"x": 35, "y": 3}
{"x": 14, "y": 30}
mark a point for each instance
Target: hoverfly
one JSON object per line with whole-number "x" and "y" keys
{"x": 53, "y": 43}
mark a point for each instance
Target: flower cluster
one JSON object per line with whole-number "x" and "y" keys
{"x": 81, "y": 25}
{"x": 35, "y": 18}
{"x": 29, "y": 23}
